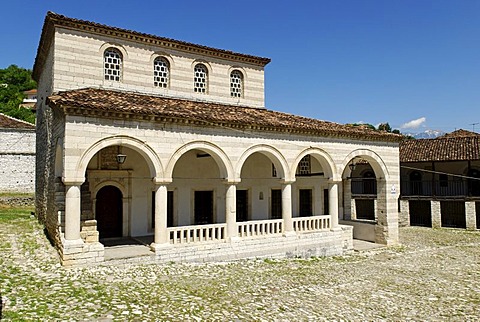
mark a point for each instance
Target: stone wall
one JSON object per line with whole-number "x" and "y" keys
{"x": 18, "y": 201}
{"x": 17, "y": 159}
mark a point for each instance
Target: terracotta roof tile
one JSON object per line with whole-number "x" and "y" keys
{"x": 8, "y": 122}
{"x": 460, "y": 145}
{"x": 100, "y": 100}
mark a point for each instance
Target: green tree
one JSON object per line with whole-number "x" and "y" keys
{"x": 14, "y": 81}
{"x": 385, "y": 127}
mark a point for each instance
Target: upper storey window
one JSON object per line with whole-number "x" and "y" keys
{"x": 236, "y": 84}
{"x": 200, "y": 79}
{"x": 161, "y": 72}
{"x": 304, "y": 166}
{"x": 113, "y": 65}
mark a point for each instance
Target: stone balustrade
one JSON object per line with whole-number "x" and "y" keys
{"x": 260, "y": 228}
{"x": 313, "y": 223}
{"x": 197, "y": 234}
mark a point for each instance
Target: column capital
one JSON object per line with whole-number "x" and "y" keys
{"x": 232, "y": 181}
{"x": 73, "y": 181}
{"x": 334, "y": 180}
{"x": 288, "y": 181}
{"x": 161, "y": 181}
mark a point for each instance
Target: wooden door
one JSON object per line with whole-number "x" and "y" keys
{"x": 109, "y": 212}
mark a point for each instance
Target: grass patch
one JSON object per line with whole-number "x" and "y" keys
{"x": 8, "y": 214}
{"x": 16, "y": 194}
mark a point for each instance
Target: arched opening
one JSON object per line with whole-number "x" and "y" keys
{"x": 259, "y": 195}
{"x": 310, "y": 189}
{"x": 370, "y": 207}
{"x": 131, "y": 175}
{"x": 363, "y": 187}
{"x": 109, "y": 212}
{"x": 198, "y": 188}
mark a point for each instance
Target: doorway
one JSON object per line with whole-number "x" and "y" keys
{"x": 109, "y": 212}
{"x": 203, "y": 207}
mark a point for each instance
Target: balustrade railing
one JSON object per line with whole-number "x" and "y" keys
{"x": 313, "y": 223}
{"x": 260, "y": 228}
{"x": 445, "y": 188}
{"x": 197, "y": 234}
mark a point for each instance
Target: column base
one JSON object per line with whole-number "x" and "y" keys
{"x": 234, "y": 239}
{"x": 289, "y": 233}
{"x": 78, "y": 253}
{"x": 154, "y": 247}
{"x": 336, "y": 229}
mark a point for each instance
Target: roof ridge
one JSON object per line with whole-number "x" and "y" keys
{"x": 17, "y": 120}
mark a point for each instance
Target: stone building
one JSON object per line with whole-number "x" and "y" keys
{"x": 140, "y": 135}
{"x": 17, "y": 155}
{"x": 441, "y": 181}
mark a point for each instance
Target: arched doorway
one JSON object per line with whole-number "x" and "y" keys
{"x": 108, "y": 212}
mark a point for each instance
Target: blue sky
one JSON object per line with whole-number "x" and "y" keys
{"x": 414, "y": 64}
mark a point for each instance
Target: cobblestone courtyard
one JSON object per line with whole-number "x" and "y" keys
{"x": 434, "y": 275}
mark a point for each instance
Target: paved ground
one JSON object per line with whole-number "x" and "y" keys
{"x": 434, "y": 276}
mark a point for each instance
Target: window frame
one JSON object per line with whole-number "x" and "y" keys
{"x": 157, "y": 83}
{"x": 240, "y": 84}
{"x": 200, "y": 89}
{"x": 111, "y": 77}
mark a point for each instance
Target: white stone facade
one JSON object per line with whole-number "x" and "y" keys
{"x": 79, "y": 64}
{"x": 171, "y": 165}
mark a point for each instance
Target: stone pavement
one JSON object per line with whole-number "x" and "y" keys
{"x": 433, "y": 276}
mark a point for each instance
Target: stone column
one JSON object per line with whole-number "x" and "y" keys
{"x": 72, "y": 211}
{"x": 386, "y": 229}
{"x": 347, "y": 199}
{"x": 436, "y": 214}
{"x": 161, "y": 236}
{"x": 404, "y": 216}
{"x": 333, "y": 204}
{"x": 231, "y": 211}
{"x": 287, "y": 208}
{"x": 471, "y": 218}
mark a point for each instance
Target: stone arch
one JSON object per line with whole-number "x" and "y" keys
{"x": 322, "y": 157}
{"x": 270, "y": 152}
{"x": 162, "y": 54}
{"x": 110, "y": 182}
{"x": 117, "y": 46}
{"x": 376, "y": 162}
{"x": 153, "y": 162}
{"x": 223, "y": 162}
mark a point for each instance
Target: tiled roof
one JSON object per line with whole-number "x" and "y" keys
{"x": 162, "y": 109}
{"x": 460, "y": 145}
{"x": 53, "y": 19}
{"x": 32, "y": 91}
{"x": 460, "y": 133}
{"x": 8, "y": 122}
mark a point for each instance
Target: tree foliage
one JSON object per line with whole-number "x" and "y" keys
{"x": 385, "y": 127}
{"x": 14, "y": 81}
{"x": 382, "y": 127}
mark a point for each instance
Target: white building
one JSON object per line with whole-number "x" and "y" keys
{"x": 140, "y": 135}
{"x": 17, "y": 155}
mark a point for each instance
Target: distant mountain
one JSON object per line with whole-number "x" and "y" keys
{"x": 428, "y": 134}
